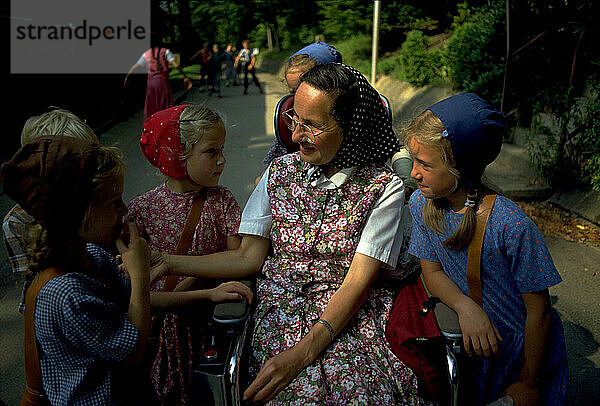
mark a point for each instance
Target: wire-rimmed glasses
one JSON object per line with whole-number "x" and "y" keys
{"x": 289, "y": 118}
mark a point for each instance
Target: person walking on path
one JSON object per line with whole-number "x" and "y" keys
{"x": 247, "y": 60}
{"x": 230, "y": 72}
{"x": 156, "y": 60}
{"x": 205, "y": 58}
{"x": 214, "y": 71}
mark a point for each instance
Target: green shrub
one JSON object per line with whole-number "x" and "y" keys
{"x": 589, "y": 141}
{"x": 356, "y": 52}
{"x": 417, "y": 66}
{"x": 474, "y": 54}
{"x": 388, "y": 65}
{"x": 355, "y": 48}
{"x": 571, "y": 150}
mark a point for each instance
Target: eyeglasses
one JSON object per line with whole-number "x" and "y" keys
{"x": 289, "y": 118}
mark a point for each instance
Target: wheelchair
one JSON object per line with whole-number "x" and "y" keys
{"x": 452, "y": 339}
{"x": 216, "y": 371}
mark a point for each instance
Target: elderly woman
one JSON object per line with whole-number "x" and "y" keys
{"x": 332, "y": 215}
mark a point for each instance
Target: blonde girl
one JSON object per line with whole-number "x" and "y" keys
{"x": 186, "y": 144}
{"x": 516, "y": 339}
{"x": 17, "y": 222}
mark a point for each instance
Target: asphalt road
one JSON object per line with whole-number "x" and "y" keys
{"x": 249, "y": 121}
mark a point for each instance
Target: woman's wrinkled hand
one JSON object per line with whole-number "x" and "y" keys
{"x": 274, "y": 376}
{"x": 135, "y": 253}
{"x": 479, "y": 333}
{"x": 230, "y": 292}
{"x": 158, "y": 266}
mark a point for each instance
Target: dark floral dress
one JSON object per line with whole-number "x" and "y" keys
{"x": 314, "y": 236}
{"x": 160, "y": 216}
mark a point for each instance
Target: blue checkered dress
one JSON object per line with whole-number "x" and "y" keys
{"x": 84, "y": 333}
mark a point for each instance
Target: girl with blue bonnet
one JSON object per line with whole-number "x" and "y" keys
{"x": 311, "y": 55}
{"x": 516, "y": 335}
{"x": 299, "y": 63}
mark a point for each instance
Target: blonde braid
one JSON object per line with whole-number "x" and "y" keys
{"x": 466, "y": 228}
{"x": 427, "y": 129}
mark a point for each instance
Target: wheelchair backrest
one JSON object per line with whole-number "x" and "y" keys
{"x": 284, "y": 134}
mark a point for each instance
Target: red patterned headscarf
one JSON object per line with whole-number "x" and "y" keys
{"x": 161, "y": 142}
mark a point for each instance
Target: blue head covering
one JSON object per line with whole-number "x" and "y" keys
{"x": 321, "y": 51}
{"x": 475, "y": 131}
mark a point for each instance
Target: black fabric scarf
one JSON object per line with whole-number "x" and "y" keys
{"x": 369, "y": 137}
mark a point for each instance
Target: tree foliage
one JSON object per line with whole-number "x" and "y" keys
{"x": 463, "y": 42}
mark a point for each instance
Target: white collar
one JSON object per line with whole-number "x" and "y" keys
{"x": 336, "y": 180}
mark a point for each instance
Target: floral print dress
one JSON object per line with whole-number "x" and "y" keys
{"x": 314, "y": 236}
{"x": 160, "y": 216}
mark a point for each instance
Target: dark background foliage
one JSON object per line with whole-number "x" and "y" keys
{"x": 552, "y": 59}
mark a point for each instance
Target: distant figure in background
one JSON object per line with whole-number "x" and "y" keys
{"x": 214, "y": 71}
{"x": 230, "y": 72}
{"x": 17, "y": 222}
{"x": 156, "y": 60}
{"x": 246, "y": 60}
{"x": 205, "y": 56}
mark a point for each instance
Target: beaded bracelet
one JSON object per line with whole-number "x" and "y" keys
{"x": 328, "y": 326}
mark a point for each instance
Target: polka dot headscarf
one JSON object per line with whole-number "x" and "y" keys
{"x": 161, "y": 142}
{"x": 369, "y": 137}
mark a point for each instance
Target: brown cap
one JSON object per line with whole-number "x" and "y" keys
{"x": 49, "y": 179}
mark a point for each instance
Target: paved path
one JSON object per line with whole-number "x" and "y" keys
{"x": 249, "y": 135}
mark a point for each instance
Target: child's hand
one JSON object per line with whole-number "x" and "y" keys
{"x": 230, "y": 292}
{"x": 523, "y": 394}
{"x": 135, "y": 254}
{"x": 121, "y": 265}
{"x": 479, "y": 333}
{"x": 158, "y": 266}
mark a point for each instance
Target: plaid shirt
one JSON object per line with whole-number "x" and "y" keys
{"x": 83, "y": 329}
{"x": 15, "y": 228}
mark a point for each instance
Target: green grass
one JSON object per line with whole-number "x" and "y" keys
{"x": 192, "y": 71}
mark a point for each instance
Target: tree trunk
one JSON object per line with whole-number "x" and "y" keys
{"x": 187, "y": 40}
{"x": 275, "y": 35}
{"x": 269, "y": 36}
